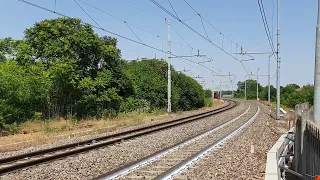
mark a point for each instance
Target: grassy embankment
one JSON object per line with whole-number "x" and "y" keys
{"x": 38, "y": 132}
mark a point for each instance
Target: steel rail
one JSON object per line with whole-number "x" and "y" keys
{"x": 125, "y": 170}
{"x": 176, "y": 170}
{"x": 94, "y": 143}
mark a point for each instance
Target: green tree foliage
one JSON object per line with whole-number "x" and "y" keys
{"x": 208, "y": 93}
{"x": 23, "y": 91}
{"x": 251, "y": 89}
{"x": 61, "y": 68}
{"x": 308, "y": 92}
{"x": 291, "y": 94}
{"x": 149, "y": 79}
{"x": 190, "y": 92}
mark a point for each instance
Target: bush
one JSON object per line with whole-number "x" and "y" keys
{"x": 131, "y": 104}
{"x": 208, "y": 102}
{"x": 208, "y": 93}
{"x": 149, "y": 79}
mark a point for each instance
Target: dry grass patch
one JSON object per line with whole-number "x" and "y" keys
{"x": 40, "y": 132}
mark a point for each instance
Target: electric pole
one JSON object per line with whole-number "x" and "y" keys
{"x": 270, "y": 54}
{"x": 269, "y": 79}
{"x": 258, "y": 84}
{"x": 278, "y": 60}
{"x": 316, "y": 102}
{"x": 227, "y": 75}
{"x": 169, "y": 68}
{"x": 245, "y": 87}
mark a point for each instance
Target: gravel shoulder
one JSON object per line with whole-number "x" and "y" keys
{"x": 74, "y": 139}
{"x": 87, "y": 129}
{"x": 93, "y": 163}
{"x": 242, "y": 157}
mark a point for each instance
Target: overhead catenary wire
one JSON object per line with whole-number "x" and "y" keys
{"x": 266, "y": 27}
{"x": 210, "y": 23}
{"x": 86, "y": 13}
{"x": 249, "y": 49}
{"x": 138, "y": 37}
{"x": 180, "y": 36}
{"x": 195, "y": 31}
{"x": 100, "y": 26}
{"x": 267, "y": 24}
{"x": 162, "y": 17}
{"x": 171, "y": 24}
{"x": 272, "y": 19}
{"x": 110, "y": 32}
{"x": 198, "y": 14}
{"x": 173, "y": 8}
{"x": 204, "y": 27}
{"x": 133, "y": 32}
{"x": 188, "y": 19}
{"x": 128, "y": 23}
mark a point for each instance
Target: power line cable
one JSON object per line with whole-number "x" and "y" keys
{"x": 272, "y": 18}
{"x": 249, "y": 49}
{"x": 133, "y": 32}
{"x": 199, "y": 17}
{"x": 192, "y": 29}
{"x": 126, "y": 22}
{"x": 266, "y": 28}
{"x": 100, "y": 26}
{"x": 204, "y": 27}
{"x": 190, "y": 18}
{"x": 175, "y": 17}
{"x": 110, "y": 32}
{"x": 265, "y": 18}
{"x": 86, "y": 13}
{"x": 180, "y": 36}
{"x": 173, "y": 8}
{"x": 171, "y": 24}
{"x": 210, "y": 23}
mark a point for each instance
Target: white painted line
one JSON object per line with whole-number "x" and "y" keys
{"x": 149, "y": 160}
{"x": 209, "y": 149}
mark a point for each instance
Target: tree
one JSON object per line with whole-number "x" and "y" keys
{"x": 308, "y": 92}
{"x": 251, "y": 89}
{"x": 208, "y": 93}
{"x": 273, "y": 93}
{"x": 191, "y": 93}
{"x": 149, "y": 78}
{"x": 23, "y": 91}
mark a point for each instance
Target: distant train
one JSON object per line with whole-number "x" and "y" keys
{"x": 216, "y": 95}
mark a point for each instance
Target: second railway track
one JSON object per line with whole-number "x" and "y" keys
{"x": 12, "y": 163}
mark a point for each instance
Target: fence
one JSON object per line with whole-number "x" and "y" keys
{"x": 307, "y": 148}
{"x": 306, "y": 144}
{"x": 302, "y": 160}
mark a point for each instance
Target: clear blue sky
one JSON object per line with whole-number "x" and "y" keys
{"x": 238, "y": 20}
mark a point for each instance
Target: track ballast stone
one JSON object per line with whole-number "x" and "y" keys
{"x": 93, "y": 163}
{"x": 242, "y": 157}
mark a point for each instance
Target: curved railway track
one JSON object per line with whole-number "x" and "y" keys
{"x": 170, "y": 162}
{"x": 13, "y": 163}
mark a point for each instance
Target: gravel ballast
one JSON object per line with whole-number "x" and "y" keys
{"x": 242, "y": 157}
{"x": 93, "y": 163}
{"x": 68, "y": 140}
{"x": 163, "y": 164}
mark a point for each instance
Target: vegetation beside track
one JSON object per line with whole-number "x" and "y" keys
{"x": 62, "y": 69}
{"x": 291, "y": 94}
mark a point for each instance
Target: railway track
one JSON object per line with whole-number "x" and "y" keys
{"x": 13, "y": 163}
{"x": 170, "y": 162}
